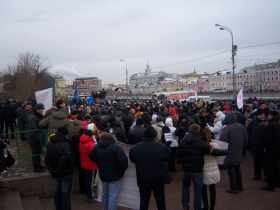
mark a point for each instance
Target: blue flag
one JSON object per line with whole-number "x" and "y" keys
{"x": 76, "y": 95}
{"x": 90, "y": 100}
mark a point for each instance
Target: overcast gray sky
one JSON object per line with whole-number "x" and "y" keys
{"x": 89, "y": 37}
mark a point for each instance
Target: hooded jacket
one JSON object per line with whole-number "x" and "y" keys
{"x": 110, "y": 159}
{"x": 86, "y": 145}
{"x": 151, "y": 160}
{"x": 236, "y": 136}
{"x": 218, "y": 124}
{"x": 191, "y": 153}
{"x": 55, "y": 120}
{"x": 169, "y": 133}
{"x": 74, "y": 128}
{"x": 35, "y": 135}
{"x": 158, "y": 128}
{"x": 136, "y": 134}
{"x": 59, "y": 160}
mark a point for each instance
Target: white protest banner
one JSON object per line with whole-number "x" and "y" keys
{"x": 45, "y": 97}
{"x": 240, "y": 99}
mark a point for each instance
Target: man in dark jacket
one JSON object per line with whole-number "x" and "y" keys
{"x": 191, "y": 152}
{"x": 182, "y": 128}
{"x": 271, "y": 154}
{"x": 235, "y": 134}
{"x": 137, "y": 133}
{"x": 151, "y": 160}
{"x": 112, "y": 164}
{"x": 35, "y": 135}
{"x": 10, "y": 116}
{"x": 258, "y": 137}
{"x": 59, "y": 162}
{"x": 22, "y": 120}
{"x": 2, "y": 117}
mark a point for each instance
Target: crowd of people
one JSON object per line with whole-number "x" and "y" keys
{"x": 203, "y": 138}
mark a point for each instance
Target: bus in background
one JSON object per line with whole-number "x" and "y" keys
{"x": 198, "y": 98}
{"x": 175, "y": 95}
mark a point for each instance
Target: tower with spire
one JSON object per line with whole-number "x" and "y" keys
{"x": 148, "y": 70}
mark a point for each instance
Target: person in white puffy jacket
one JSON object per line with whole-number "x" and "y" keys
{"x": 171, "y": 140}
{"x": 211, "y": 173}
{"x": 157, "y": 124}
{"x": 218, "y": 124}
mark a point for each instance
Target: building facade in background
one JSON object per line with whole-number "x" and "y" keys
{"x": 87, "y": 85}
{"x": 203, "y": 84}
{"x": 147, "y": 82}
{"x": 246, "y": 79}
{"x": 257, "y": 78}
{"x": 268, "y": 77}
{"x": 220, "y": 82}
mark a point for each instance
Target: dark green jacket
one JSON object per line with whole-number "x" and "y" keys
{"x": 34, "y": 133}
{"x": 55, "y": 120}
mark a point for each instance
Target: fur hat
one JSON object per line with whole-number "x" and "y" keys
{"x": 195, "y": 129}
{"x": 150, "y": 133}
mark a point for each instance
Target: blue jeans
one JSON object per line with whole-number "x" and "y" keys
{"x": 62, "y": 196}
{"x": 197, "y": 180}
{"x": 88, "y": 175}
{"x": 111, "y": 191}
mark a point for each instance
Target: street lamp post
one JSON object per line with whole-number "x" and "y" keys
{"x": 233, "y": 54}
{"x": 126, "y": 74}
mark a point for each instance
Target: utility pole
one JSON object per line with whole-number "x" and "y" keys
{"x": 126, "y": 77}
{"x": 126, "y": 74}
{"x": 233, "y": 54}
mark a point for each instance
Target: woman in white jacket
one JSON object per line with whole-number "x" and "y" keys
{"x": 170, "y": 140}
{"x": 218, "y": 125}
{"x": 211, "y": 173}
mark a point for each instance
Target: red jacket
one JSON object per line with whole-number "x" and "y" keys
{"x": 173, "y": 112}
{"x": 86, "y": 145}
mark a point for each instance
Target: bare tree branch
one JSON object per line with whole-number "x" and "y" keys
{"x": 26, "y": 76}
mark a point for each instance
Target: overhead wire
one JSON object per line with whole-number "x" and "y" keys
{"x": 191, "y": 60}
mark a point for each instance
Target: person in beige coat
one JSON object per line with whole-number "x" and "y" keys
{"x": 157, "y": 124}
{"x": 211, "y": 173}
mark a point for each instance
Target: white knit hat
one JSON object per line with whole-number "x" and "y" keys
{"x": 169, "y": 122}
{"x": 91, "y": 127}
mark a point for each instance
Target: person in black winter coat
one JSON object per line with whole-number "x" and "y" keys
{"x": 271, "y": 154}
{"x": 59, "y": 162}
{"x": 2, "y": 118}
{"x": 10, "y": 115}
{"x": 190, "y": 153}
{"x": 151, "y": 160}
{"x": 136, "y": 134}
{"x": 22, "y": 120}
{"x": 235, "y": 134}
{"x": 182, "y": 128}
{"x": 35, "y": 135}
{"x": 112, "y": 164}
{"x": 110, "y": 158}
{"x": 259, "y": 134}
